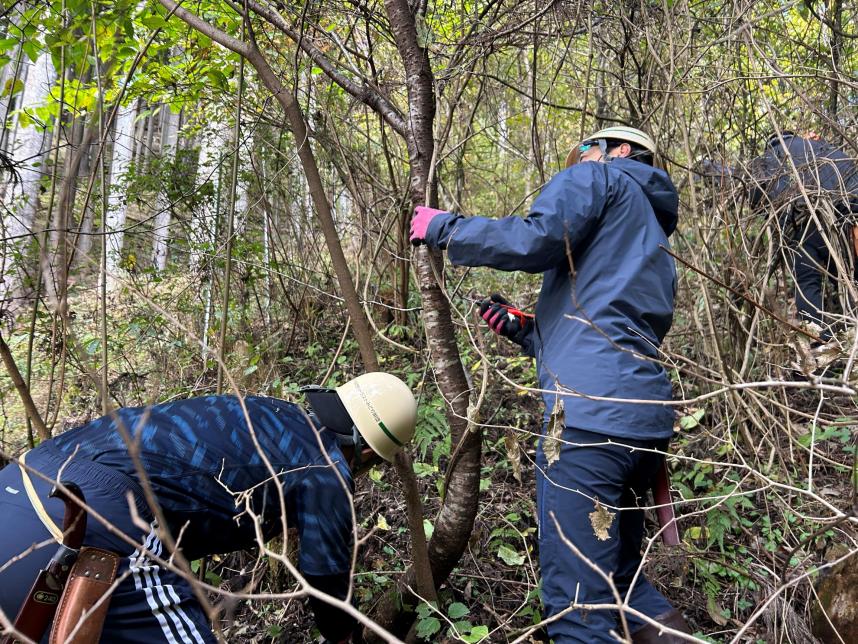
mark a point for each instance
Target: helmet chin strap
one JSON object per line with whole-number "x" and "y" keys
{"x": 350, "y": 438}
{"x": 356, "y": 442}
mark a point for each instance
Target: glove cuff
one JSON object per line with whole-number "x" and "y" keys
{"x": 520, "y": 337}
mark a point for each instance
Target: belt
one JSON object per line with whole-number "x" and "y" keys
{"x": 36, "y": 502}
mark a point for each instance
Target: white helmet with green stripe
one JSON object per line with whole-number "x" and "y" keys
{"x": 383, "y": 410}
{"x": 615, "y": 133}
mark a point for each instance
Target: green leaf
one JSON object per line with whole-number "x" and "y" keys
{"x": 477, "y": 633}
{"x": 13, "y": 86}
{"x": 509, "y": 556}
{"x": 31, "y": 49}
{"x": 428, "y": 529}
{"x": 218, "y": 78}
{"x": 692, "y": 420}
{"x": 425, "y": 610}
{"x": 153, "y": 22}
{"x": 426, "y": 628}
{"x": 461, "y": 626}
{"x": 422, "y": 469}
{"x": 457, "y": 610}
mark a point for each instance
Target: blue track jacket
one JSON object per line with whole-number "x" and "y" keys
{"x": 200, "y": 454}
{"x": 595, "y": 232}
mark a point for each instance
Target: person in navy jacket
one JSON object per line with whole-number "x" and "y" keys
{"x": 598, "y": 234}
{"x": 813, "y": 186}
{"x": 226, "y": 472}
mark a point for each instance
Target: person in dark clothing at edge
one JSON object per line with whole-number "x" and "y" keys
{"x": 595, "y": 233}
{"x": 813, "y": 186}
{"x": 199, "y": 454}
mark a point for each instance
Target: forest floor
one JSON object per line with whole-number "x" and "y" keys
{"x": 734, "y": 553}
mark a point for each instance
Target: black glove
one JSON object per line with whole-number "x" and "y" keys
{"x": 506, "y": 320}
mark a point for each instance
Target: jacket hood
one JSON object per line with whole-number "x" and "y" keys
{"x": 657, "y": 187}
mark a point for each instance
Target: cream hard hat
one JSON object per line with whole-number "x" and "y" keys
{"x": 616, "y": 133}
{"x": 383, "y": 410}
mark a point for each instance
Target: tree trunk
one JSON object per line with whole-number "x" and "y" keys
{"x": 117, "y": 206}
{"x": 455, "y": 521}
{"x": 161, "y": 233}
{"x": 13, "y": 71}
{"x": 84, "y": 234}
{"x": 242, "y": 205}
{"x": 208, "y": 169}
{"x": 30, "y": 149}
{"x": 835, "y": 27}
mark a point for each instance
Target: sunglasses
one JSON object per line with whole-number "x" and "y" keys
{"x": 585, "y": 145}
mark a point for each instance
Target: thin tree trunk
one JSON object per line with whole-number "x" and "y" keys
{"x": 23, "y": 391}
{"x": 140, "y": 134}
{"x": 209, "y": 281}
{"x": 230, "y": 221}
{"x": 161, "y": 232}
{"x": 242, "y": 205}
{"x": 30, "y": 149}
{"x": 269, "y": 218}
{"x": 836, "y": 54}
{"x": 76, "y": 167}
{"x": 13, "y": 71}
{"x": 322, "y": 207}
{"x": 455, "y": 521}
{"x": 203, "y": 222}
{"x": 55, "y": 255}
{"x": 117, "y": 205}
{"x": 146, "y": 153}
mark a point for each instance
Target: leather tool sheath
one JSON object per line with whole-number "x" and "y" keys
{"x": 83, "y": 608}
{"x": 37, "y": 611}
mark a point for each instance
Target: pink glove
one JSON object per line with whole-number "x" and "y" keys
{"x": 420, "y": 223}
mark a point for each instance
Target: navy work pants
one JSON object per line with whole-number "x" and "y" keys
{"x": 150, "y": 603}
{"x": 813, "y": 268}
{"x": 618, "y": 477}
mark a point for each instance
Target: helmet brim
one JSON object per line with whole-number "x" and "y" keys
{"x": 573, "y": 157}
{"x": 330, "y": 411}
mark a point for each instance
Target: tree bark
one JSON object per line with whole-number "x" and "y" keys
{"x": 455, "y": 521}
{"x": 30, "y": 148}
{"x": 123, "y": 149}
{"x": 203, "y": 222}
{"x": 836, "y": 54}
{"x": 23, "y": 391}
{"x": 161, "y": 233}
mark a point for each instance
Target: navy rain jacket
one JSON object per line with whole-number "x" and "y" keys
{"x": 607, "y": 293}
{"x": 817, "y": 167}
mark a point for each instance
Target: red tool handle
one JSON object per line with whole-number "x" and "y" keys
{"x": 521, "y": 315}
{"x": 37, "y": 611}
{"x": 662, "y": 498}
